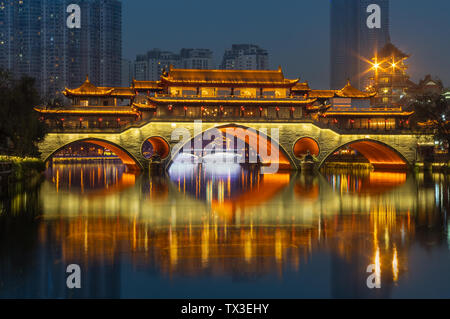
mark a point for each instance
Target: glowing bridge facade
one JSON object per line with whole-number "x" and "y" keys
{"x": 294, "y": 141}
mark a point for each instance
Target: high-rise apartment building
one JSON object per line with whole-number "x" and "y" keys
{"x": 353, "y": 42}
{"x": 127, "y": 72}
{"x": 110, "y": 31}
{"x": 150, "y": 66}
{"x": 20, "y": 37}
{"x": 36, "y": 41}
{"x": 201, "y": 59}
{"x": 245, "y": 57}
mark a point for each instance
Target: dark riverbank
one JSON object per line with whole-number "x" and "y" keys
{"x": 14, "y": 168}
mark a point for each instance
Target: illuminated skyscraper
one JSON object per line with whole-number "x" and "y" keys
{"x": 352, "y": 40}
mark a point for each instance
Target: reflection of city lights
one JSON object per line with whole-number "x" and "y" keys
{"x": 205, "y": 239}
{"x": 222, "y": 169}
{"x": 377, "y": 269}
{"x": 179, "y": 171}
{"x": 248, "y": 248}
{"x": 395, "y": 265}
{"x": 222, "y": 158}
{"x": 173, "y": 247}
{"x": 448, "y": 235}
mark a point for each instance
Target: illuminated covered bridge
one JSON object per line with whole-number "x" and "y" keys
{"x": 284, "y": 117}
{"x": 291, "y": 141}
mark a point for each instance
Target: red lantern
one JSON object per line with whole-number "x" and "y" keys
{"x": 292, "y": 109}
{"x": 185, "y": 108}
{"x": 100, "y": 120}
{"x": 260, "y": 109}
{"x": 118, "y": 120}
{"x": 202, "y": 108}
{"x": 170, "y": 107}
{"x": 277, "y": 108}
{"x": 242, "y": 108}
{"x": 62, "y": 119}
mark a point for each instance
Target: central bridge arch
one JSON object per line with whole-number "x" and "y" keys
{"x": 379, "y": 154}
{"x": 245, "y": 134}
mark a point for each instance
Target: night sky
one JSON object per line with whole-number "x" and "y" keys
{"x": 295, "y": 32}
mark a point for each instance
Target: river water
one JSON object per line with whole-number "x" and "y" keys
{"x": 225, "y": 232}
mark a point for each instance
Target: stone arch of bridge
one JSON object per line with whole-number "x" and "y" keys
{"x": 244, "y": 133}
{"x": 379, "y": 154}
{"x": 155, "y": 145}
{"x": 126, "y": 157}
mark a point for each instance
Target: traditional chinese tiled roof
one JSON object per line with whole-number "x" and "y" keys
{"x": 231, "y": 78}
{"x": 430, "y": 123}
{"x": 123, "y": 92}
{"x": 390, "y": 50}
{"x": 238, "y": 101}
{"x": 125, "y": 110}
{"x": 364, "y": 112}
{"x": 347, "y": 92}
{"x": 301, "y": 87}
{"x": 147, "y": 85}
{"x": 88, "y": 89}
{"x": 351, "y": 92}
{"x": 144, "y": 106}
{"x": 322, "y": 94}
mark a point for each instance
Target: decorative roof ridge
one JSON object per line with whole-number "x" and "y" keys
{"x": 279, "y": 70}
{"x": 229, "y": 101}
{"x": 350, "y": 91}
{"x": 87, "y": 88}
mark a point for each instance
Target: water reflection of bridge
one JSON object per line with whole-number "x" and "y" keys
{"x": 164, "y": 227}
{"x": 255, "y": 192}
{"x": 246, "y": 234}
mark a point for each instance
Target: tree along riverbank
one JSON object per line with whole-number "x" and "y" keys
{"x": 14, "y": 168}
